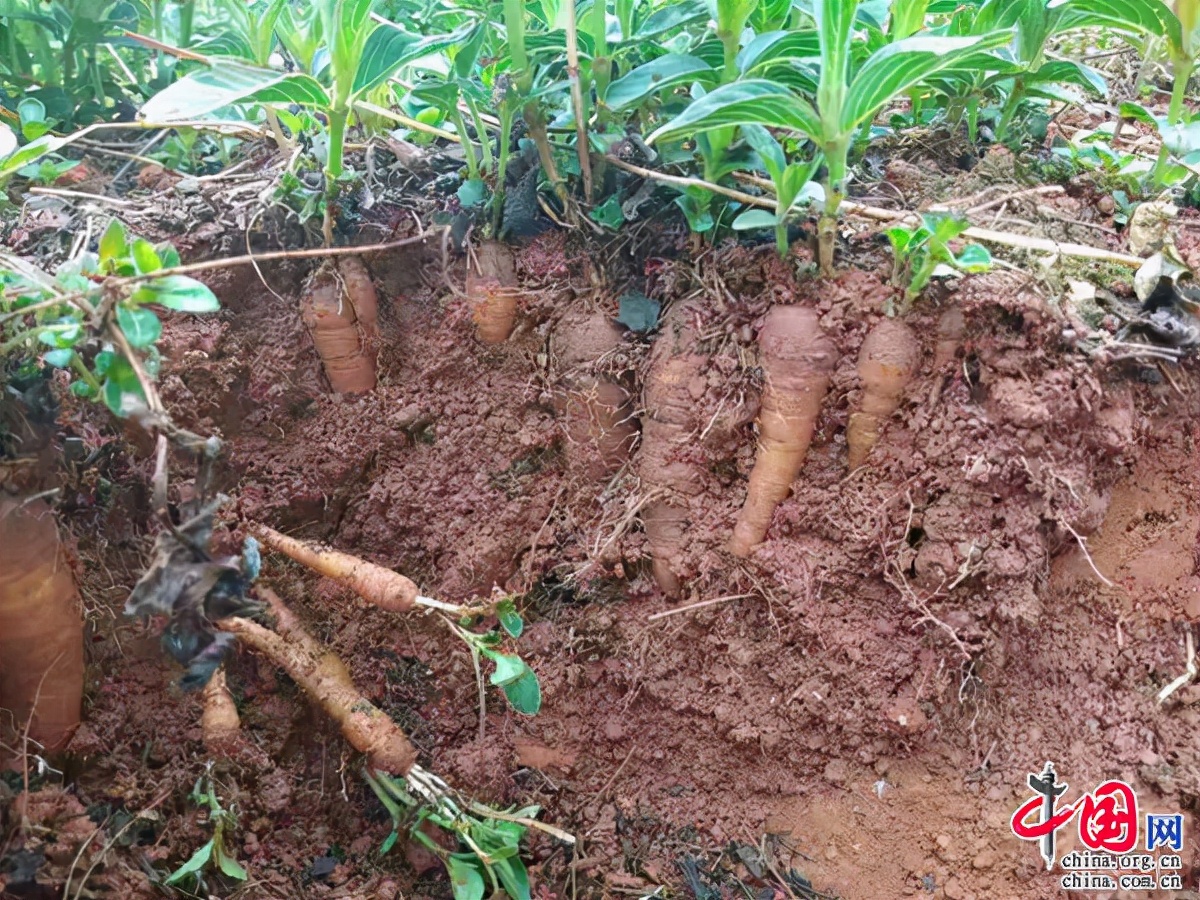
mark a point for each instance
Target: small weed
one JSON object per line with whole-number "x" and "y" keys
{"x": 215, "y": 854}
{"x": 924, "y": 253}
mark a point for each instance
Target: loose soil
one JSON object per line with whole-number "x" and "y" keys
{"x": 865, "y": 702}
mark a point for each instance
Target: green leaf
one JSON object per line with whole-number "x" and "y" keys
{"x": 609, "y": 213}
{"x": 32, "y": 115}
{"x": 525, "y": 694}
{"x": 974, "y": 258}
{"x": 60, "y": 359}
{"x": 193, "y": 866}
{"x": 64, "y": 336}
{"x": 82, "y": 389}
{"x": 141, "y": 326}
{"x": 897, "y": 67}
{"x": 777, "y": 48}
{"x": 899, "y": 237}
{"x": 508, "y": 667}
{"x": 751, "y": 102}
{"x": 465, "y": 879}
{"x": 637, "y": 312}
{"x": 754, "y": 219}
{"x": 514, "y": 878}
{"x": 227, "y": 864}
{"x": 388, "y": 843}
{"x": 665, "y": 73}
{"x": 1139, "y": 16}
{"x": 1138, "y": 113}
{"x": 388, "y": 48}
{"x": 510, "y": 619}
{"x": 145, "y": 257}
{"x": 113, "y": 243}
{"x": 1182, "y": 139}
{"x": 768, "y": 150}
{"x": 1069, "y": 72}
{"x": 178, "y": 292}
{"x": 230, "y": 81}
{"x": 472, "y": 192}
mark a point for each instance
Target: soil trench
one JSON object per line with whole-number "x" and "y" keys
{"x": 1008, "y": 579}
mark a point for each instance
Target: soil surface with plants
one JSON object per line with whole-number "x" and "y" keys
{"x": 848, "y": 707}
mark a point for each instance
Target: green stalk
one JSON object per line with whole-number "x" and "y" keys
{"x": 507, "y": 114}
{"x": 625, "y": 18}
{"x": 465, "y": 141}
{"x": 1184, "y": 67}
{"x": 836, "y": 153}
{"x": 85, "y": 374}
{"x": 535, "y": 121}
{"x": 731, "y": 43}
{"x": 1010, "y": 109}
{"x": 601, "y": 62}
{"x": 187, "y": 14}
{"x": 338, "y": 117}
{"x": 514, "y": 22}
{"x": 781, "y": 238}
{"x": 485, "y": 143}
{"x": 578, "y": 101}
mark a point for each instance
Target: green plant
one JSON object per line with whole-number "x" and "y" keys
{"x": 924, "y": 252}
{"x": 215, "y": 854}
{"x": 95, "y": 316}
{"x": 363, "y": 52}
{"x": 790, "y": 180}
{"x": 62, "y": 52}
{"x": 847, "y": 97}
{"x": 488, "y": 856}
{"x": 512, "y": 675}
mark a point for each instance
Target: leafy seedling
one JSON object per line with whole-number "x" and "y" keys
{"x": 511, "y": 673}
{"x": 487, "y": 858}
{"x": 924, "y": 252}
{"x": 215, "y": 854}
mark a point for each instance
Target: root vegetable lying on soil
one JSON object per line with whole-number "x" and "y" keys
{"x": 493, "y": 292}
{"x": 886, "y": 364}
{"x": 797, "y": 360}
{"x": 41, "y": 629}
{"x": 341, "y": 309}
{"x": 325, "y": 679}
{"x": 669, "y": 431}
{"x": 378, "y": 586}
{"x": 950, "y": 330}
{"x": 219, "y": 723}
{"x": 600, "y": 427}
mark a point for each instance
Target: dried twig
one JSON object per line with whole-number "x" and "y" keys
{"x": 701, "y": 605}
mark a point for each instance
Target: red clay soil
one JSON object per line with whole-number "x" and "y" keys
{"x": 912, "y": 640}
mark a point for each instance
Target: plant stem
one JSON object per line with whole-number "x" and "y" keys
{"x": 781, "y": 238}
{"x": 276, "y": 131}
{"x": 835, "y": 191}
{"x": 333, "y": 165}
{"x": 1184, "y": 68}
{"x": 468, "y": 146}
{"x": 85, "y": 374}
{"x": 508, "y": 112}
{"x": 1010, "y": 109}
{"x": 535, "y": 121}
{"x": 577, "y": 99}
{"x": 485, "y": 143}
{"x": 514, "y": 22}
{"x": 187, "y": 13}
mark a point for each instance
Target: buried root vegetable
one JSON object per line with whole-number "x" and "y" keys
{"x": 41, "y": 630}
{"x": 886, "y": 364}
{"x": 493, "y": 292}
{"x": 797, "y": 360}
{"x": 340, "y": 308}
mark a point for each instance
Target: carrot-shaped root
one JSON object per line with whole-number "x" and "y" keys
{"x": 886, "y": 364}
{"x": 599, "y": 423}
{"x": 220, "y": 723}
{"x": 493, "y": 292}
{"x": 378, "y": 586}
{"x": 664, "y": 465}
{"x": 41, "y": 629}
{"x": 341, "y": 310}
{"x": 323, "y": 676}
{"x": 797, "y": 359}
